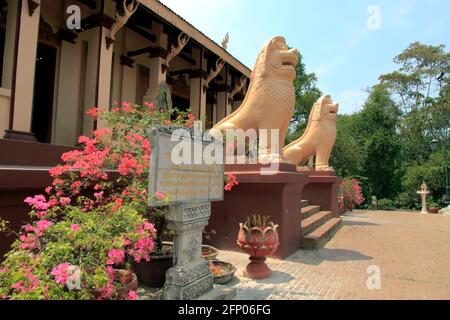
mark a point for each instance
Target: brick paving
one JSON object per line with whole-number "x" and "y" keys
{"x": 412, "y": 251}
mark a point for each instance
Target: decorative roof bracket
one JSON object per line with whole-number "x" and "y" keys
{"x": 238, "y": 87}
{"x": 175, "y": 50}
{"x": 214, "y": 73}
{"x": 121, "y": 20}
{"x": 32, "y": 6}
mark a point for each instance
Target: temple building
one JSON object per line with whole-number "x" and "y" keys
{"x": 52, "y": 70}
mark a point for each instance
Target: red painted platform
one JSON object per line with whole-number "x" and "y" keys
{"x": 277, "y": 195}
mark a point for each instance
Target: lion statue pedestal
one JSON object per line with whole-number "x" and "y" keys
{"x": 277, "y": 195}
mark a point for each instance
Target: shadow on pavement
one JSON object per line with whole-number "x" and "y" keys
{"x": 316, "y": 257}
{"x": 359, "y": 223}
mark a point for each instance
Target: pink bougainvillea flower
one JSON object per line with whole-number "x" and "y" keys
{"x": 44, "y": 224}
{"x": 108, "y": 290}
{"x": 39, "y": 202}
{"x": 101, "y": 133}
{"x": 64, "y": 201}
{"x": 116, "y": 257}
{"x": 60, "y": 272}
{"x": 127, "y": 107}
{"x": 97, "y": 187}
{"x": 160, "y": 196}
{"x": 18, "y": 284}
{"x": 28, "y": 241}
{"x": 232, "y": 181}
{"x": 119, "y": 203}
{"x": 53, "y": 202}
{"x": 48, "y": 190}
{"x": 142, "y": 249}
{"x": 149, "y": 105}
{"x": 76, "y": 185}
{"x": 41, "y": 214}
{"x": 127, "y": 163}
{"x": 93, "y": 112}
{"x": 132, "y": 295}
{"x": 149, "y": 227}
{"x": 83, "y": 139}
{"x": 99, "y": 195}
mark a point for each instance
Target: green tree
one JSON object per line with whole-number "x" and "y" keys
{"x": 416, "y": 81}
{"x": 348, "y": 154}
{"x": 415, "y": 88}
{"x": 432, "y": 173}
{"x": 306, "y": 94}
{"x": 376, "y": 126}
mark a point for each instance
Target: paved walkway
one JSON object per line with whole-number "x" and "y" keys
{"x": 411, "y": 250}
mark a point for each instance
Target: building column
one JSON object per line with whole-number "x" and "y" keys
{"x": 20, "y": 61}
{"x": 69, "y": 100}
{"x": 98, "y": 77}
{"x": 8, "y": 61}
{"x": 198, "y": 81}
{"x": 157, "y": 59}
{"x": 223, "y": 94}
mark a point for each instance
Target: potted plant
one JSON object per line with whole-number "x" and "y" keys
{"x": 433, "y": 207}
{"x": 153, "y": 273}
{"x": 259, "y": 238}
{"x": 386, "y": 204}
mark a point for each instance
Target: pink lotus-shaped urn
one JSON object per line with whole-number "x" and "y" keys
{"x": 259, "y": 242}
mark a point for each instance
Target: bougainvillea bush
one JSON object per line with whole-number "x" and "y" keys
{"x": 74, "y": 256}
{"x": 350, "y": 193}
{"x": 92, "y": 219}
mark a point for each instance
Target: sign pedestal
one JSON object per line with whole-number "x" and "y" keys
{"x": 191, "y": 276}
{"x": 188, "y": 185}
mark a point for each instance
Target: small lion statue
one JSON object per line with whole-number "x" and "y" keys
{"x": 270, "y": 101}
{"x": 318, "y": 138}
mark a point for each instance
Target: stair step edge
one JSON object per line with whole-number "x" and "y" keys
{"x": 320, "y": 217}
{"x": 306, "y": 211}
{"x": 324, "y": 229}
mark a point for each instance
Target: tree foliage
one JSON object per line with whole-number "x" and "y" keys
{"x": 388, "y": 144}
{"x": 306, "y": 94}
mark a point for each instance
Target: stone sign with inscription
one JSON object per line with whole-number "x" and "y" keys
{"x": 190, "y": 181}
{"x": 179, "y": 169}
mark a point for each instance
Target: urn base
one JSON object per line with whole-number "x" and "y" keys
{"x": 257, "y": 269}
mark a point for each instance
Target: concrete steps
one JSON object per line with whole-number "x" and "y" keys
{"x": 309, "y": 211}
{"x": 319, "y": 237}
{"x": 315, "y": 221}
{"x": 317, "y": 226}
{"x": 304, "y": 203}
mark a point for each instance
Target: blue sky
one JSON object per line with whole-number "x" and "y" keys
{"x": 332, "y": 35}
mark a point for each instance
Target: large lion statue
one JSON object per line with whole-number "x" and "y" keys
{"x": 270, "y": 101}
{"x": 318, "y": 138}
